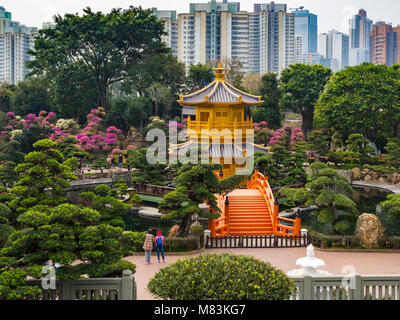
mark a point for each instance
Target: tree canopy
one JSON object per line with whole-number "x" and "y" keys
{"x": 107, "y": 44}
{"x": 363, "y": 99}
{"x": 302, "y": 85}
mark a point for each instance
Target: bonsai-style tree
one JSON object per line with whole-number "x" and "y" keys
{"x": 392, "y": 206}
{"x": 43, "y": 177}
{"x": 393, "y": 152}
{"x": 329, "y": 191}
{"x": 7, "y": 173}
{"x": 155, "y": 174}
{"x": 104, "y": 200}
{"x": 65, "y": 235}
{"x": 196, "y": 184}
{"x": 359, "y": 147}
{"x": 319, "y": 141}
{"x": 267, "y": 166}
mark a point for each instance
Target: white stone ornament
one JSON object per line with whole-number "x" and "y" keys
{"x": 310, "y": 265}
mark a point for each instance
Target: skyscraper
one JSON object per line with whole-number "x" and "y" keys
{"x": 15, "y": 42}
{"x": 335, "y": 45}
{"x": 276, "y": 37}
{"x": 306, "y": 25}
{"x": 359, "y": 38}
{"x": 385, "y": 44}
{"x": 263, "y": 40}
{"x": 171, "y": 28}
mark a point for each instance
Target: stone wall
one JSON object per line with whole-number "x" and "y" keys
{"x": 370, "y": 175}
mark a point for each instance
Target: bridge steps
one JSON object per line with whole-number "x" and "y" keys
{"x": 248, "y": 214}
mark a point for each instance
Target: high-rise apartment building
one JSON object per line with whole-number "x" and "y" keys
{"x": 306, "y": 25}
{"x": 276, "y": 37}
{"x": 263, "y": 40}
{"x": 385, "y": 44}
{"x": 15, "y": 42}
{"x": 5, "y": 19}
{"x": 359, "y": 38}
{"x": 171, "y": 28}
{"x": 335, "y": 45}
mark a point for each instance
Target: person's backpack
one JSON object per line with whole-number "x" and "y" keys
{"x": 159, "y": 241}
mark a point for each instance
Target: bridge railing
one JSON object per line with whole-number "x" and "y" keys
{"x": 260, "y": 182}
{"x": 220, "y": 226}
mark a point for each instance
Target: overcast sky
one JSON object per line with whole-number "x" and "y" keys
{"x": 333, "y": 14}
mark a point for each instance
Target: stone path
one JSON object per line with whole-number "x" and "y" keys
{"x": 284, "y": 259}
{"x": 378, "y": 185}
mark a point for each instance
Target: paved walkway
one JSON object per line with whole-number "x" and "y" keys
{"x": 284, "y": 259}
{"x": 394, "y": 188}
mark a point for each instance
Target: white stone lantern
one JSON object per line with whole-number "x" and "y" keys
{"x": 310, "y": 265}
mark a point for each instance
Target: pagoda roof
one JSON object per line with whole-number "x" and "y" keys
{"x": 220, "y": 92}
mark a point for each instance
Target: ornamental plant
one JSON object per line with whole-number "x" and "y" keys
{"x": 262, "y": 134}
{"x": 44, "y": 177}
{"x": 64, "y": 235}
{"x": 221, "y": 277}
{"x": 104, "y": 200}
{"x": 392, "y": 206}
{"x": 93, "y": 138}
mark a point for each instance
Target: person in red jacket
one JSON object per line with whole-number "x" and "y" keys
{"x": 159, "y": 240}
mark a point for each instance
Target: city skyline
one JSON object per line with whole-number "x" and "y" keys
{"x": 333, "y": 16}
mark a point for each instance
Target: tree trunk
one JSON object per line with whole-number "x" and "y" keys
{"x": 397, "y": 130}
{"x": 156, "y": 108}
{"x": 103, "y": 96}
{"x": 184, "y": 224}
{"x": 307, "y": 126}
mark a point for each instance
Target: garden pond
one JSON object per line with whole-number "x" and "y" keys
{"x": 367, "y": 200}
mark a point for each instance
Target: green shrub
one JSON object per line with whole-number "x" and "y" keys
{"x": 198, "y": 231}
{"x": 181, "y": 244}
{"x": 132, "y": 242}
{"x": 5, "y": 213}
{"x": 5, "y": 232}
{"x": 221, "y": 277}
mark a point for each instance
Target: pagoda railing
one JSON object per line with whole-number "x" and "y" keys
{"x": 220, "y": 125}
{"x": 280, "y": 226}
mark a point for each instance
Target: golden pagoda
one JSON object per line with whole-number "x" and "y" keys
{"x": 220, "y": 115}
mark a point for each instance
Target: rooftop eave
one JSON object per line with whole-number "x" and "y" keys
{"x": 226, "y": 104}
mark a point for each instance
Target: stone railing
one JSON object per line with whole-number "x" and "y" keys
{"x": 152, "y": 190}
{"x": 347, "y": 287}
{"x": 90, "y": 289}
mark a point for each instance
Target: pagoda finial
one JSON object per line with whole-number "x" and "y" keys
{"x": 219, "y": 72}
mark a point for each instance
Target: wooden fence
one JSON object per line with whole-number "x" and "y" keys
{"x": 272, "y": 241}
{"x": 351, "y": 287}
{"x": 90, "y": 289}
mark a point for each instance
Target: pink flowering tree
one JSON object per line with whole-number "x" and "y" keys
{"x": 58, "y": 135}
{"x": 93, "y": 138}
{"x": 288, "y": 137}
{"x": 262, "y": 134}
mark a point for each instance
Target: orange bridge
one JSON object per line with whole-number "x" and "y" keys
{"x": 252, "y": 212}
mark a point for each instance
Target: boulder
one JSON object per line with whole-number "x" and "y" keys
{"x": 382, "y": 180}
{"x": 367, "y": 178}
{"x": 370, "y": 231}
{"x": 375, "y": 176}
{"x": 356, "y": 173}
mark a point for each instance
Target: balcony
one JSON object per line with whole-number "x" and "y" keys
{"x": 220, "y": 125}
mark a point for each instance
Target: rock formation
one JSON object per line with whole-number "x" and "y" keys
{"x": 370, "y": 231}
